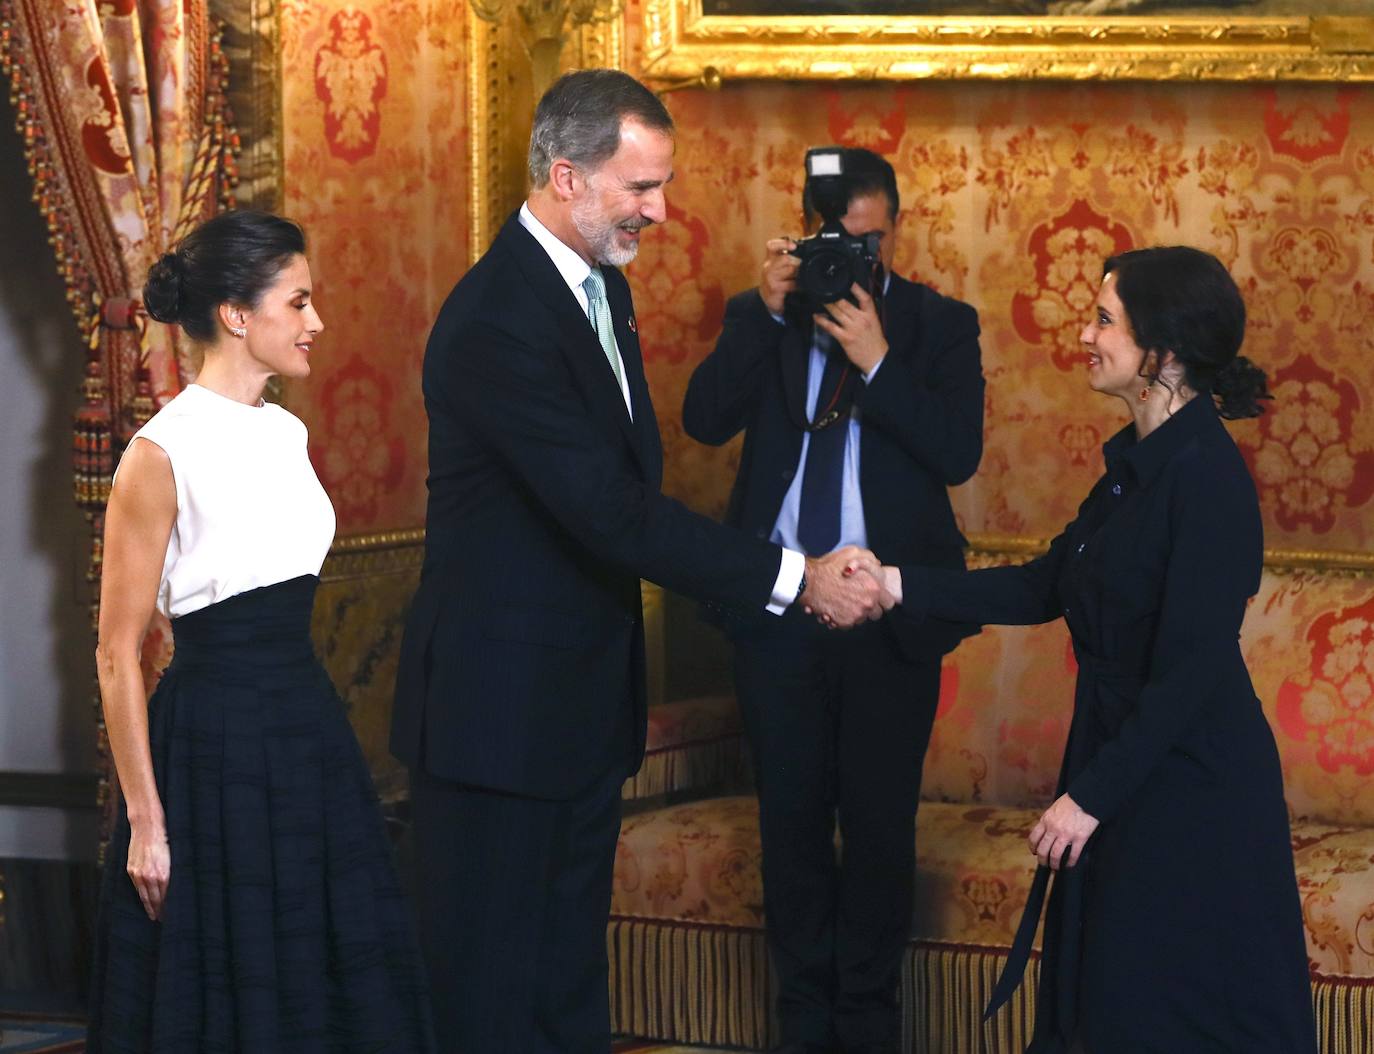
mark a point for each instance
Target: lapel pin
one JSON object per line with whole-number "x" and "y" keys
{"x": 632, "y": 325}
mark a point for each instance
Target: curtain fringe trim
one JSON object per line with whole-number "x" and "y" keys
{"x": 709, "y": 984}
{"x": 690, "y": 766}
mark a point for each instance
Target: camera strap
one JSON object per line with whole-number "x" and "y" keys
{"x": 836, "y": 381}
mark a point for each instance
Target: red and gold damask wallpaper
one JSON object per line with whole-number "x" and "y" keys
{"x": 374, "y": 101}
{"x": 1012, "y": 195}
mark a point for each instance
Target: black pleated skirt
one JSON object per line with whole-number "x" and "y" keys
{"x": 284, "y": 928}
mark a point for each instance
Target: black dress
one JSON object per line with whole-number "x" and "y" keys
{"x": 1180, "y": 930}
{"x": 284, "y": 928}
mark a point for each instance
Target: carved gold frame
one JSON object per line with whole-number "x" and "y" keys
{"x": 681, "y": 42}
{"x": 501, "y": 107}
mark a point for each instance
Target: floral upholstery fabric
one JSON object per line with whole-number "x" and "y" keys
{"x": 1336, "y": 884}
{"x": 692, "y": 745}
{"x": 994, "y": 758}
{"x": 700, "y": 864}
{"x": 687, "y": 722}
{"x": 1005, "y": 702}
{"x": 1308, "y": 639}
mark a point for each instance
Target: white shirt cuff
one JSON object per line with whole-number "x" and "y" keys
{"x": 874, "y": 372}
{"x": 790, "y": 573}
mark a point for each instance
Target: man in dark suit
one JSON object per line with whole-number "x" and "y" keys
{"x": 855, "y": 421}
{"x": 520, "y": 704}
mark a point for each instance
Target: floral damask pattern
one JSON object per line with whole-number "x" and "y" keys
{"x": 1308, "y": 640}
{"x": 1306, "y": 459}
{"x": 702, "y": 863}
{"x": 377, "y": 170}
{"x": 351, "y": 79}
{"x": 1012, "y": 196}
{"x": 1006, "y": 700}
{"x": 688, "y": 722}
{"x": 1002, "y": 719}
{"x": 1306, "y": 126}
{"x": 1332, "y": 708}
{"x": 365, "y": 457}
{"x": 1067, "y": 253}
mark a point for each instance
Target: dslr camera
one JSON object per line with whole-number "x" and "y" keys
{"x": 832, "y": 259}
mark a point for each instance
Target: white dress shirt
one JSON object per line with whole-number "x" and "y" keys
{"x": 574, "y": 270}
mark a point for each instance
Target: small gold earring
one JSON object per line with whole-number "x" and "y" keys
{"x": 1145, "y": 393}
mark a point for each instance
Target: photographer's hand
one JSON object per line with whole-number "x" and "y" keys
{"x": 857, "y": 329}
{"x": 779, "y": 273}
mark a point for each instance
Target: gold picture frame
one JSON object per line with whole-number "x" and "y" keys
{"x": 681, "y": 41}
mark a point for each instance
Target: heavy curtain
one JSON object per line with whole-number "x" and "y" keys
{"x": 121, "y": 108}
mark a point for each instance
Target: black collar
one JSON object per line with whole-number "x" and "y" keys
{"x": 1146, "y": 457}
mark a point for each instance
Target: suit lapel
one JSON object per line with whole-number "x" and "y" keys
{"x": 901, "y": 314}
{"x": 795, "y": 350}
{"x": 576, "y": 337}
{"x": 649, "y": 449}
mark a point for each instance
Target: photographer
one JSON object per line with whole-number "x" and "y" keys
{"x": 858, "y": 413}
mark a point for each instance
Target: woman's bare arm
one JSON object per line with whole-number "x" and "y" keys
{"x": 138, "y": 525}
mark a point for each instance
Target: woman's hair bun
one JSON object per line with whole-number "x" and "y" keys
{"x": 231, "y": 258}
{"x": 162, "y": 290}
{"x": 1238, "y": 387}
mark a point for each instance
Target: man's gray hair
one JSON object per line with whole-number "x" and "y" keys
{"x": 579, "y": 119}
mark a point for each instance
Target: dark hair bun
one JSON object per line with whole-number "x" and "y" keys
{"x": 231, "y": 258}
{"x": 162, "y": 290}
{"x": 1239, "y": 386}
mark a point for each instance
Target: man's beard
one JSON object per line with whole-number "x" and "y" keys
{"x": 601, "y": 236}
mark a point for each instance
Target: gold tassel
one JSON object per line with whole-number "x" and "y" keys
{"x": 688, "y": 982}
{"x": 691, "y": 983}
{"x": 1344, "y": 1008}
{"x": 944, "y": 990}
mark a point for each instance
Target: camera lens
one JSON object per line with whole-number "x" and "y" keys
{"x": 826, "y": 275}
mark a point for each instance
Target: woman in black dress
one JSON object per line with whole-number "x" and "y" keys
{"x": 1173, "y": 925}
{"x": 249, "y": 902}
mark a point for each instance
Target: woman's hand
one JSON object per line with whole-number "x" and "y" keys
{"x": 150, "y": 866}
{"x": 890, "y": 578}
{"x": 1064, "y": 827}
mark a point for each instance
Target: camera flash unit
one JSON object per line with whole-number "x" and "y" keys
{"x": 824, "y": 162}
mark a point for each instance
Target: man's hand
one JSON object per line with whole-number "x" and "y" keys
{"x": 839, "y": 597}
{"x": 1064, "y": 828}
{"x": 779, "y": 273}
{"x": 858, "y": 330}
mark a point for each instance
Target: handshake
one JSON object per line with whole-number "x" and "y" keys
{"x": 849, "y": 586}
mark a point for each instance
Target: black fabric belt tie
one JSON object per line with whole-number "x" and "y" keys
{"x": 1066, "y": 914}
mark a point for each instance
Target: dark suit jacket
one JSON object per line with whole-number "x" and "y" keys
{"x": 921, "y": 430}
{"x": 522, "y": 667}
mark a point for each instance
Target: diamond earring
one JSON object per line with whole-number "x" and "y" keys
{"x": 239, "y": 331}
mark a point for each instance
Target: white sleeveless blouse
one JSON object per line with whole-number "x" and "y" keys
{"x": 250, "y": 510}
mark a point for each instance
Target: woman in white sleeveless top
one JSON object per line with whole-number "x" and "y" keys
{"x": 249, "y": 902}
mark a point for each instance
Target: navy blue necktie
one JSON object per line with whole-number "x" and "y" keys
{"x": 818, "y": 521}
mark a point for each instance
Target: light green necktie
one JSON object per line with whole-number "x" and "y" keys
{"x": 599, "y": 311}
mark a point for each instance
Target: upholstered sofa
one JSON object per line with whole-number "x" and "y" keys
{"x": 688, "y": 961}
